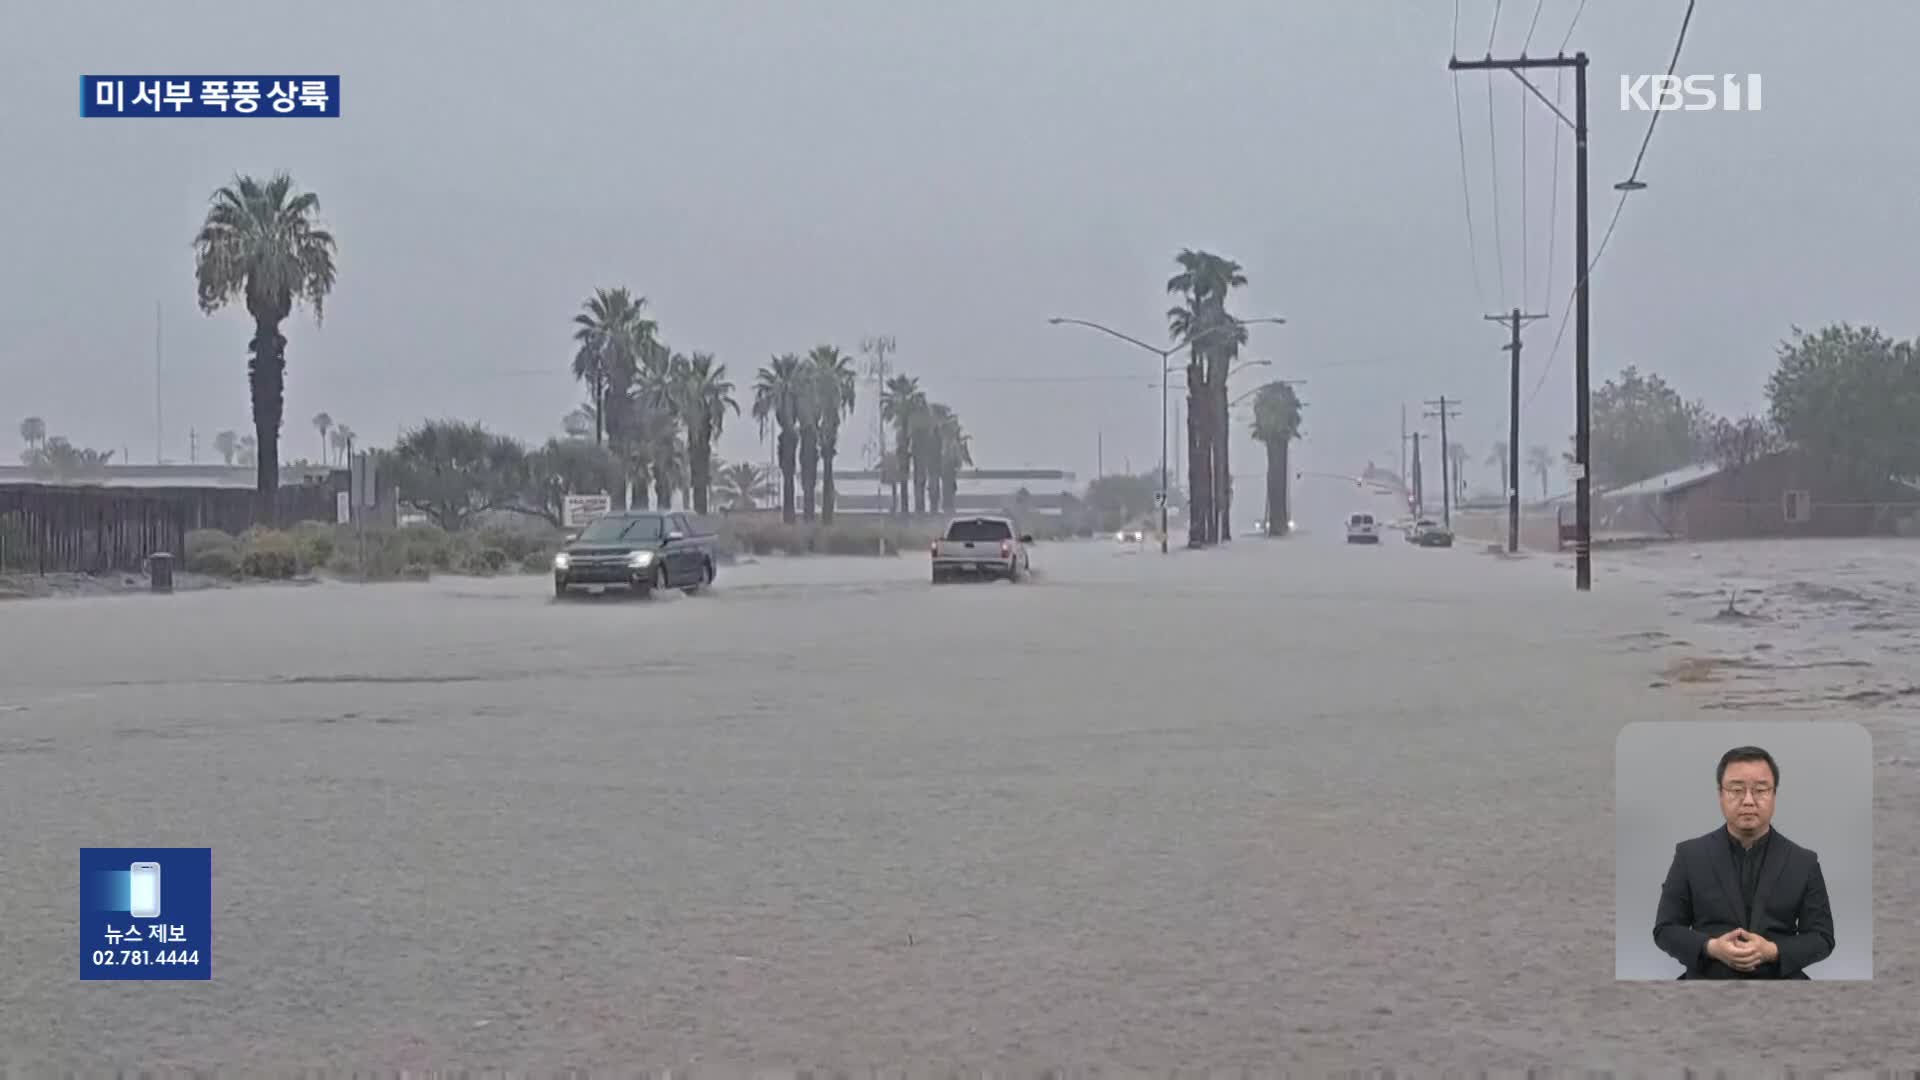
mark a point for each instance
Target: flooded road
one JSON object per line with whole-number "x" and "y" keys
{"x": 1282, "y": 802}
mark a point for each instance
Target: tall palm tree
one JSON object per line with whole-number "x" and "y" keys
{"x": 33, "y": 432}
{"x": 1540, "y": 464}
{"x": 611, "y": 329}
{"x": 323, "y": 424}
{"x": 342, "y": 439}
{"x": 901, "y": 403}
{"x": 703, "y": 394}
{"x": 1498, "y": 459}
{"x": 742, "y": 484}
{"x": 249, "y": 451}
{"x": 651, "y": 426}
{"x": 1276, "y": 424}
{"x": 226, "y": 444}
{"x": 1204, "y": 281}
{"x": 260, "y": 243}
{"x": 1457, "y": 458}
{"x": 955, "y": 452}
{"x": 832, "y": 399}
{"x": 777, "y": 390}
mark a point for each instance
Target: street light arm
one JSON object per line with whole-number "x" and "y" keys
{"x": 1111, "y": 332}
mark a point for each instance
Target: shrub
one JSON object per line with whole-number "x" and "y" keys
{"x": 490, "y": 560}
{"x": 265, "y": 553}
{"x": 417, "y": 572}
{"x": 314, "y": 542}
{"x": 210, "y": 551}
{"x": 538, "y": 562}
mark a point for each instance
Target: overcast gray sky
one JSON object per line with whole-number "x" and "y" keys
{"x": 772, "y": 175}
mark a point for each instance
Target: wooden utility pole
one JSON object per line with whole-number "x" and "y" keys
{"x": 1419, "y": 496}
{"x": 1513, "y": 319}
{"x": 1444, "y": 412}
{"x": 1582, "y": 434}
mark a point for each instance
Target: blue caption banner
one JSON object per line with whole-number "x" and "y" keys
{"x": 210, "y": 95}
{"x": 146, "y": 914}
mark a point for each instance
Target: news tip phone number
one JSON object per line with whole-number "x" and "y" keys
{"x": 143, "y": 957}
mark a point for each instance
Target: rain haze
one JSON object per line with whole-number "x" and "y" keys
{"x": 505, "y": 739}
{"x": 774, "y": 176}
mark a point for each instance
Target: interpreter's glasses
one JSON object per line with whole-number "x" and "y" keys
{"x": 1736, "y": 792}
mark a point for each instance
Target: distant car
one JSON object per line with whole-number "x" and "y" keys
{"x": 1134, "y": 535}
{"x": 636, "y": 552}
{"x": 1362, "y": 529}
{"x": 981, "y": 547}
{"x": 1426, "y": 533}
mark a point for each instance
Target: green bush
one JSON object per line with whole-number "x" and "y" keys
{"x": 490, "y": 560}
{"x": 314, "y": 542}
{"x": 417, "y": 572}
{"x": 538, "y": 562}
{"x": 766, "y": 534}
{"x": 266, "y": 553}
{"x": 210, "y": 551}
{"x": 217, "y": 562}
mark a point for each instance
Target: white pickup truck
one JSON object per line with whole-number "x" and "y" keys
{"x": 981, "y": 547}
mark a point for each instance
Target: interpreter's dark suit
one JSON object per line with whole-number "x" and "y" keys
{"x": 1702, "y": 899}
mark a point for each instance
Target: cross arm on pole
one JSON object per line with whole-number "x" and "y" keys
{"x": 1543, "y": 100}
{"x": 1490, "y": 64}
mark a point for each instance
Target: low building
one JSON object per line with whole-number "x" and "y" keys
{"x": 1788, "y": 493}
{"x": 1041, "y": 491}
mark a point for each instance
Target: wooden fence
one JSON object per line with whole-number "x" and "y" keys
{"x": 48, "y": 528}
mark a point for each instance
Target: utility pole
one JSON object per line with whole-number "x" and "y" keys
{"x": 1582, "y": 467}
{"x": 193, "y": 446}
{"x": 1419, "y": 496}
{"x": 1446, "y": 457}
{"x": 1513, "y": 319}
{"x": 1099, "y": 454}
{"x": 159, "y": 424}
{"x": 1404, "y": 482}
{"x": 878, "y": 347}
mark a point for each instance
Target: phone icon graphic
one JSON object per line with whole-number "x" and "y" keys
{"x": 143, "y": 890}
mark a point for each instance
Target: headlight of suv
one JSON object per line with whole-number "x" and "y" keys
{"x": 560, "y": 561}
{"x": 640, "y": 560}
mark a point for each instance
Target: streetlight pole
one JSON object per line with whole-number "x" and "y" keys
{"x": 1165, "y": 355}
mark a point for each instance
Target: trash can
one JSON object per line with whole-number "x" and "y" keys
{"x": 160, "y": 571}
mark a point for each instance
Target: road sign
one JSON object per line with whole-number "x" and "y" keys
{"x": 577, "y": 510}
{"x": 364, "y": 491}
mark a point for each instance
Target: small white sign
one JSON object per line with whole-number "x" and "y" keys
{"x": 1576, "y": 471}
{"x": 577, "y": 510}
{"x": 342, "y": 507}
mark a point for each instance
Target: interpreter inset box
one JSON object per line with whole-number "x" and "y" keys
{"x": 1743, "y": 851}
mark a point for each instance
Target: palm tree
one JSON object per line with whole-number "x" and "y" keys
{"x": 249, "y": 450}
{"x": 652, "y": 440}
{"x": 1204, "y": 281}
{"x": 579, "y": 423}
{"x": 830, "y": 401}
{"x": 1498, "y": 458}
{"x": 260, "y": 243}
{"x": 322, "y": 423}
{"x": 342, "y": 439}
{"x": 777, "y": 391}
{"x": 703, "y": 394}
{"x": 1540, "y": 463}
{"x": 1457, "y": 457}
{"x": 955, "y": 453}
{"x": 33, "y": 432}
{"x": 226, "y": 444}
{"x": 742, "y": 484}
{"x": 612, "y": 330}
{"x": 901, "y": 403}
{"x": 1276, "y": 424}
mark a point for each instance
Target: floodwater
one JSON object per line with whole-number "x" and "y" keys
{"x": 1283, "y": 803}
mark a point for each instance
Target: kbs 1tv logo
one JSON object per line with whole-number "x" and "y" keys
{"x": 203, "y": 96}
{"x": 1694, "y": 93}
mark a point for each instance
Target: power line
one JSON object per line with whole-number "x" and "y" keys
{"x": 1466, "y": 188}
{"x": 1493, "y": 161}
{"x": 1493, "y": 29}
{"x": 1537, "y": 9}
{"x": 1576, "y": 22}
{"x": 1627, "y": 188}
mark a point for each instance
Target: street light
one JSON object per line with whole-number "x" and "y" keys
{"x": 1164, "y": 355}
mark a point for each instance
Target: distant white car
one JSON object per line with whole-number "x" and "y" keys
{"x": 1362, "y": 529}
